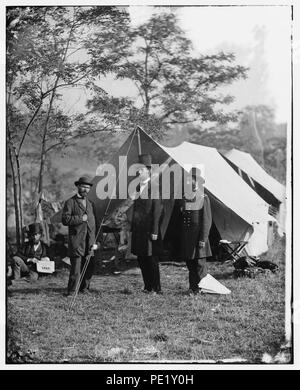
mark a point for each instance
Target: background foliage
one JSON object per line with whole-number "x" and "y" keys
{"x": 51, "y": 50}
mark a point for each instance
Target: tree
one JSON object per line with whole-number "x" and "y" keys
{"x": 257, "y": 125}
{"x": 173, "y": 86}
{"x": 220, "y": 137}
{"x": 271, "y": 149}
{"x": 42, "y": 46}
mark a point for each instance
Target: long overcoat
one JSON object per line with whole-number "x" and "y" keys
{"x": 81, "y": 234}
{"x": 195, "y": 226}
{"x": 146, "y": 220}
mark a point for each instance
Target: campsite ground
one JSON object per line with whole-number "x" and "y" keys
{"x": 119, "y": 323}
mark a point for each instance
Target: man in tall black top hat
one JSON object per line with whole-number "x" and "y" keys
{"x": 146, "y": 228}
{"x": 78, "y": 215}
{"x": 34, "y": 250}
{"x": 195, "y": 225}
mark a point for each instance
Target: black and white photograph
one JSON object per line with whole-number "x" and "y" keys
{"x": 148, "y": 160}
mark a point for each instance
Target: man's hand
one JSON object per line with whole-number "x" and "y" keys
{"x": 96, "y": 246}
{"x": 84, "y": 217}
{"x": 122, "y": 247}
{"x": 154, "y": 237}
{"x": 32, "y": 260}
{"x": 201, "y": 244}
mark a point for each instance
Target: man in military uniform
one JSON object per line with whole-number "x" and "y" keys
{"x": 195, "y": 224}
{"x": 146, "y": 234}
{"x": 78, "y": 215}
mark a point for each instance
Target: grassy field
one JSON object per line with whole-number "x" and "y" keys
{"x": 119, "y": 323}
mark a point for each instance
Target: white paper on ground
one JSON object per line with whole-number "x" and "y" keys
{"x": 210, "y": 285}
{"x": 47, "y": 267}
{"x": 66, "y": 260}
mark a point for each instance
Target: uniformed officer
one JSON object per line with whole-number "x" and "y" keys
{"x": 195, "y": 224}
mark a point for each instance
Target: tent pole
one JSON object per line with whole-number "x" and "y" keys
{"x": 139, "y": 140}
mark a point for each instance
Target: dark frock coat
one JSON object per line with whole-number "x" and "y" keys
{"x": 81, "y": 234}
{"x": 146, "y": 220}
{"x": 28, "y": 252}
{"x": 195, "y": 226}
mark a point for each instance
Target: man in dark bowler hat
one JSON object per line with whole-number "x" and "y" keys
{"x": 24, "y": 262}
{"x": 195, "y": 224}
{"x": 78, "y": 215}
{"x": 146, "y": 240}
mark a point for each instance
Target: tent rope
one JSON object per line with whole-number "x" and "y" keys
{"x": 88, "y": 257}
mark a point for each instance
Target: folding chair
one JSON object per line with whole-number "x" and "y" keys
{"x": 232, "y": 249}
{"x": 109, "y": 253}
{"x": 111, "y": 230}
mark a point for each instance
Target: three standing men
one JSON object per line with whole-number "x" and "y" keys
{"x": 78, "y": 214}
{"x": 146, "y": 228}
{"x": 146, "y": 243}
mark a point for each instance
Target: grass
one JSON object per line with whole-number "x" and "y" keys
{"x": 119, "y": 323}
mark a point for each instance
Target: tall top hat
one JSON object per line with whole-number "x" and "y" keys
{"x": 84, "y": 180}
{"x": 34, "y": 228}
{"x": 145, "y": 159}
{"x": 197, "y": 173}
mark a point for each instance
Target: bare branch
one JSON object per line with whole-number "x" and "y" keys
{"x": 182, "y": 122}
{"x": 158, "y": 70}
{"x": 66, "y": 84}
{"x": 73, "y": 52}
{"x": 78, "y": 136}
{"x": 167, "y": 114}
{"x": 29, "y": 124}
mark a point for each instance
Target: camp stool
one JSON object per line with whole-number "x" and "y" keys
{"x": 232, "y": 249}
{"x": 110, "y": 255}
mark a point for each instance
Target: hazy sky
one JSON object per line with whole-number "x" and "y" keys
{"x": 217, "y": 27}
{"x": 212, "y": 29}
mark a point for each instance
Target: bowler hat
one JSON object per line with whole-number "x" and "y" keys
{"x": 34, "y": 228}
{"x": 145, "y": 159}
{"x": 83, "y": 180}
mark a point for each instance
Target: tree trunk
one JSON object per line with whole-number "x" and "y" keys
{"x": 41, "y": 172}
{"x": 147, "y": 105}
{"x": 43, "y": 150}
{"x": 20, "y": 198}
{"x": 259, "y": 140}
{"x": 11, "y": 160}
{"x": 16, "y": 201}
{"x": 146, "y": 85}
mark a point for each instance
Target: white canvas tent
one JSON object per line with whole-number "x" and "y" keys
{"x": 238, "y": 212}
{"x": 268, "y": 188}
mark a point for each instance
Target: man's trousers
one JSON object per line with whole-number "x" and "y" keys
{"x": 76, "y": 277}
{"x": 20, "y": 268}
{"x": 150, "y": 272}
{"x": 197, "y": 271}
